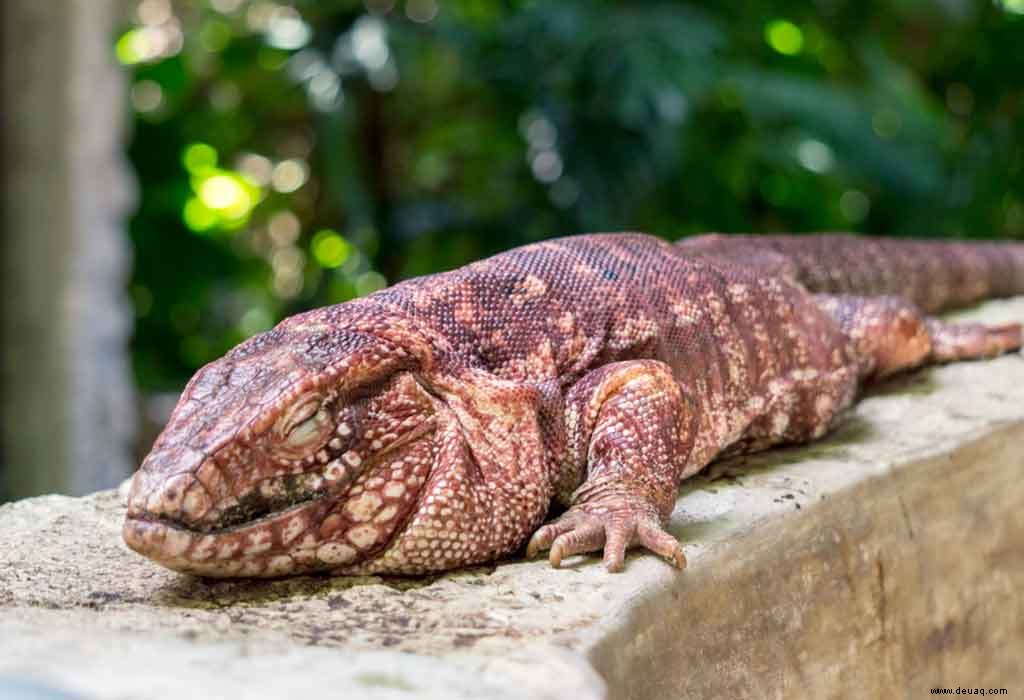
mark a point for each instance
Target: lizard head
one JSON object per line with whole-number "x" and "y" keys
{"x": 306, "y": 448}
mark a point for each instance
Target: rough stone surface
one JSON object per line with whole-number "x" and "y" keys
{"x": 889, "y": 556}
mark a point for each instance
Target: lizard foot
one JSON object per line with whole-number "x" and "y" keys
{"x": 589, "y": 527}
{"x": 966, "y": 341}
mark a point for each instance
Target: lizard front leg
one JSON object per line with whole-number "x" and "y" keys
{"x": 630, "y": 431}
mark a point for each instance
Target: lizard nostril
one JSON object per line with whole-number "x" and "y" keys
{"x": 168, "y": 499}
{"x": 154, "y": 503}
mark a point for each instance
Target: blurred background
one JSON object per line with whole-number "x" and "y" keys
{"x": 183, "y": 174}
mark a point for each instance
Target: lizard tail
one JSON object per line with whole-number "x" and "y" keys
{"x": 934, "y": 275}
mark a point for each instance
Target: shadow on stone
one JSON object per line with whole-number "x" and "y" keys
{"x": 852, "y": 429}
{"x": 193, "y": 592}
{"x": 916, "y": 383}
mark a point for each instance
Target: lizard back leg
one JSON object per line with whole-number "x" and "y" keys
{"x": 631, "y": 431}
{"x": 890, "y": 334}
{"x": 970, "y": 341}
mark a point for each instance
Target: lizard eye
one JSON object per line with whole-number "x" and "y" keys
{"x": 305, "y": 425}
{"x": 308, "y": 431}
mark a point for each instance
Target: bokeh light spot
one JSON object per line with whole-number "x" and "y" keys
{"x": 224, "y": 192}
{"x": 289, "y": 175}
{"x": 330, "y": 249}
{"x": 285, "y": 29}
{"x": 421, "y": 11}
{"x": 546, "y": 166}
{"x": 854, "y": 205}
{"x": 197, "y": 216}
{"x": 784, "y": 37}
{"x": 198, "y": 157}
{"x": 153, "y": 12}
{"x": 255, "y": 320}
{"x": 283, "y": 228}
{"x": 226, "y": 6}
{"x": 147, "y": 96}
{"x": 564, "y": 193}
{"x": 223, "y": 198}
{"x": 815, "y": 156}
{"x": 886, "y": 123}
{"x": 149, "y": 43}
{"x": 256, "y": 168}
{"x": 134, "y": 46}
{"x": 225, "y": 96}
{"x": 287, "y": 264}
{"x": 215, "y": 35}
{"x": 370, "y": 282}
{"x": 369, "y": 42}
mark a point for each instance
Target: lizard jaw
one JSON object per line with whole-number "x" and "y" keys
{"x": 243, "y": 550}
{"x": 336, "y": 518}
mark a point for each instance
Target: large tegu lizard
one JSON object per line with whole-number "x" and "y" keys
{"x": 433, "y": 424}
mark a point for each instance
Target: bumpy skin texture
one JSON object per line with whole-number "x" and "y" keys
{"x": 433, "y": 424}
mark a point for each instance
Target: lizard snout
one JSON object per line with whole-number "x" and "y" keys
{"x": 171, "y": 492}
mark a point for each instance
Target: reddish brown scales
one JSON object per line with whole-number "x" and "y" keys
{"x": 432, "y": 424}
{"x": 932, "y": 275}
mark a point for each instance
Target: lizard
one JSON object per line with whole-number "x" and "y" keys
{"x": 437, "y": 423}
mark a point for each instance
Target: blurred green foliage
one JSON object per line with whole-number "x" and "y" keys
{"x": 294, "y": 155}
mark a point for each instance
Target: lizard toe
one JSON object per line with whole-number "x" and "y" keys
{"x": 580, "y": 532}
{"x": 622, "y": 533}
{"x": 587, "y": 536}
{"x": 652, "y": 536}
{"x": 545, "y": 536}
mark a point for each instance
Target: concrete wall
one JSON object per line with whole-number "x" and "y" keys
{"x": 67, "y": 412}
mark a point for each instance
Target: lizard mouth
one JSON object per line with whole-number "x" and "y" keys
{"x": 292, "y": 523}
{"x": 258, "y": 508}
{"x": 271, "y": 498}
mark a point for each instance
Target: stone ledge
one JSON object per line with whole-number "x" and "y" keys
{"x": 890, "y": 555}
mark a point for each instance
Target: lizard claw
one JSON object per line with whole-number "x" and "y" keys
{"x": 579, "y": 531}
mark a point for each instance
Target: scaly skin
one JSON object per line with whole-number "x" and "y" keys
{"x": 431, "y": 425}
